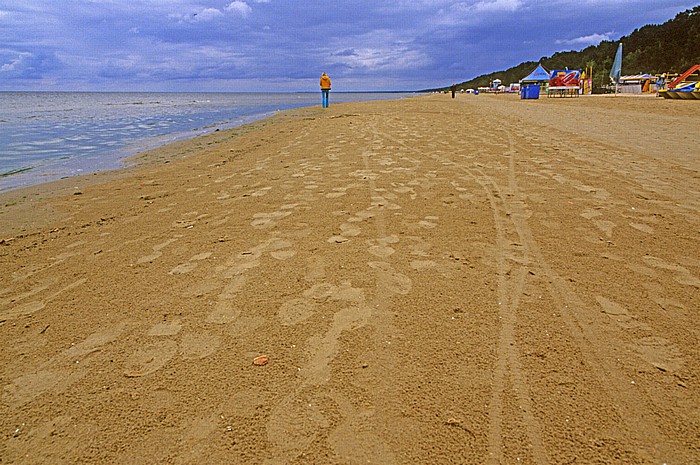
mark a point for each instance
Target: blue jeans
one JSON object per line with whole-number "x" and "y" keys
{"x": 324, "y": 97}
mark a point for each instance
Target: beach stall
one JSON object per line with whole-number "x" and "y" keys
{"x": 531, "y": 84}
{"x": 564, "y": 83}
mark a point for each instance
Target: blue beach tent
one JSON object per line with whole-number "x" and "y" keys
{"x": 538, "y": 76}
{"x": 530, "y": 84}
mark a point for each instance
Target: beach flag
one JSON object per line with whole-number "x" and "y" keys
{"x": 616, "y": 70}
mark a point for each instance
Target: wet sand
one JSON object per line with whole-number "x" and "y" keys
{"x": 468, "y": 281}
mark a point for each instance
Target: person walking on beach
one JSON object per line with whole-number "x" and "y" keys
{"x": 325, "y": 89}
{"x": 453, "y": 89}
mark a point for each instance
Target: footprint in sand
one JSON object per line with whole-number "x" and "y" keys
{"x": 337, "y": 192}
{"x": 591, "y": 213}
{"x": 247, "y": 263}
{"x": 641, "y": 269}
{"x": 165, "y": 328}
{"x": 379, "y": 201}
{"x": 294, "y": 424}
{"x": 58, "y": 373}
{"x": 191, "y": 265}
{"x": 261, "y": 192}
{"x": 268, "y": 220}
{"x": 281, "y": 249}
{"x": 150, "y": 358}
{"x": 198, "y": 346}
{"x": 682, "y": 275}
{"x": 337, "y": 240}
{"x": 669, "y": 304}
{"x": 315, "y": 269}
{"x": 352, "y": 442}
{"x": 364, "y": 215}
{"x": 391, "y": 280}
{"x": 659, "y": 352}
{"x": 619, "y": 314}
{"x": 34, "y": 306}
{"x": 350, "y": 230}
{"x": 183, "y": 268}
{"x": 224, "y": 312}
{"x": 420, "y": 248}
{"x": 406, "y": 190}
{"x": 423, "y": 265}
{"x": 64, "y": 256}
{"x": 380, "y": 247}
{"x": 645, "y": 228}
{"x": 605, "y": 226}
{"x": 21, "y": 310}
{"x": 283, "y": 254}
{"x": 233, "y": 287}
{"x": 157, "y": 252}
{"x": 295, "y": 311}
{"x": 324, "y": 349}
{"x": 344, "y": 292}
{"x": 381, "y": 251}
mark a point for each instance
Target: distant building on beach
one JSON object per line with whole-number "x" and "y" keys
{"x": 638, "y": 84}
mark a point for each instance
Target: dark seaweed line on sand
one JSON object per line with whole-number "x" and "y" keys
{"x": 17, "y": 171}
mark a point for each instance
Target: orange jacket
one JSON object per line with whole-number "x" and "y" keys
{"x": 325, "y": 82}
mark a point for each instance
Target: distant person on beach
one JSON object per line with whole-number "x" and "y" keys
{"x": 453, "y": 89}
{"x": 325, "y": 89}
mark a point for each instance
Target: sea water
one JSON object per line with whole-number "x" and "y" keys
{"x": 51, "y": 135}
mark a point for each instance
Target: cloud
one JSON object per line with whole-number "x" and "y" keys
{"x": 592, "y": 39}
{"x": 26, "y": 65}
{"x": 497, "y": 5}
{"x": 189, "y": 45}
{"x": 239, "y": 7}
{"x": 380, "y": 59}
{"x": 209, "y": 14}
{"x": 200, "y": 16}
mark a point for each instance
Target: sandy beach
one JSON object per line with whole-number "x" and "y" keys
{"x": 478, "y": 280}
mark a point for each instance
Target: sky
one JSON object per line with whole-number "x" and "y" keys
{"x": 285, "y": 45}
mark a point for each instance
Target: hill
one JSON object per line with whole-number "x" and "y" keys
{"x": 671, "y": 47}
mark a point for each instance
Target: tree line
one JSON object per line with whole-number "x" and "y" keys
{"x": 671, "y": 47}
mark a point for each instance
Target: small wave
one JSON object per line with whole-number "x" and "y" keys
{"x": 132, "y": 103}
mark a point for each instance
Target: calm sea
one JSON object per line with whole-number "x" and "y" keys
{"x": 50, "y": 135}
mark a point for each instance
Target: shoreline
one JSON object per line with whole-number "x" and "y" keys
{"x": 177, "y": 115}
{"x": 13, "y": 202}
{"x": 410, "y": 281}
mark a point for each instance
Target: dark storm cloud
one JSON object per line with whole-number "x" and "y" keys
{"x": 284, "y": 45}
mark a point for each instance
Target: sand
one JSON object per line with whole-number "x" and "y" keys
{"x": 468, "y": 281}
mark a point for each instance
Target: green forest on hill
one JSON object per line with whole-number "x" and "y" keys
{"x": 671, "y": 47}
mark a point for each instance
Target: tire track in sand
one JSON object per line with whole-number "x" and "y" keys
{"x": 513, "y": 266}
{"x": 573, "y": 310}
{"x": 513, "y": 261}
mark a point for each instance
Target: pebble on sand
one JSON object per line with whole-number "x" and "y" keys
{"x": 261, "y": 360}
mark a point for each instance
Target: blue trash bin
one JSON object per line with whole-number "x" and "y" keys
{"x": 530, "y": 91}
